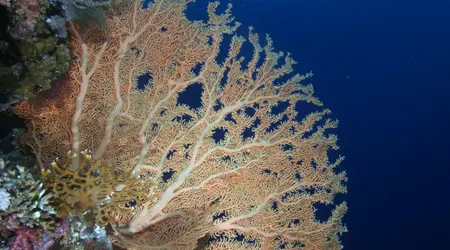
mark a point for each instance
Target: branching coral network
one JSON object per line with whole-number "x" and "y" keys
{"x": 243, "y": 170}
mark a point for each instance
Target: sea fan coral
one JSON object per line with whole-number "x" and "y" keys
{"x": 240, "y": 169}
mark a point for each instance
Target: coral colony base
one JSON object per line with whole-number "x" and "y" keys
{"x": 241, "y": 170}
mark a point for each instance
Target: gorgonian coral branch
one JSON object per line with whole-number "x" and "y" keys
{"x": 242, "y": 161}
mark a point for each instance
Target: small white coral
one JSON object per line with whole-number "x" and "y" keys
{"x": 4, "y": 199}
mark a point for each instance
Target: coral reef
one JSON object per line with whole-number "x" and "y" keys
{"x": 25, "y": 210}
{"x": 33, "y": 48}
{"x": 41, "y": 69}
{"x": 29, "y": 219}
{"x": 31, "y": 55}
{"x": 80, "y": 237}
{"x": 25, "y": 239}
{"x": 26, "y": 202}
{"x": 26, "y": 18}
{"x": 239, "y": 169}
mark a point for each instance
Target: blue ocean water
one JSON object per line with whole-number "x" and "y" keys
{"x": 383, "y": 68}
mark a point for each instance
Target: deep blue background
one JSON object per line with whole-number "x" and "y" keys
{"x": 382, "y": 67}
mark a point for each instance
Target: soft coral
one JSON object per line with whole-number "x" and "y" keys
{"x": 25, "y": 239}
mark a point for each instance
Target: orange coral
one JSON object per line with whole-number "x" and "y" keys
{"x": 241, "y": 169}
